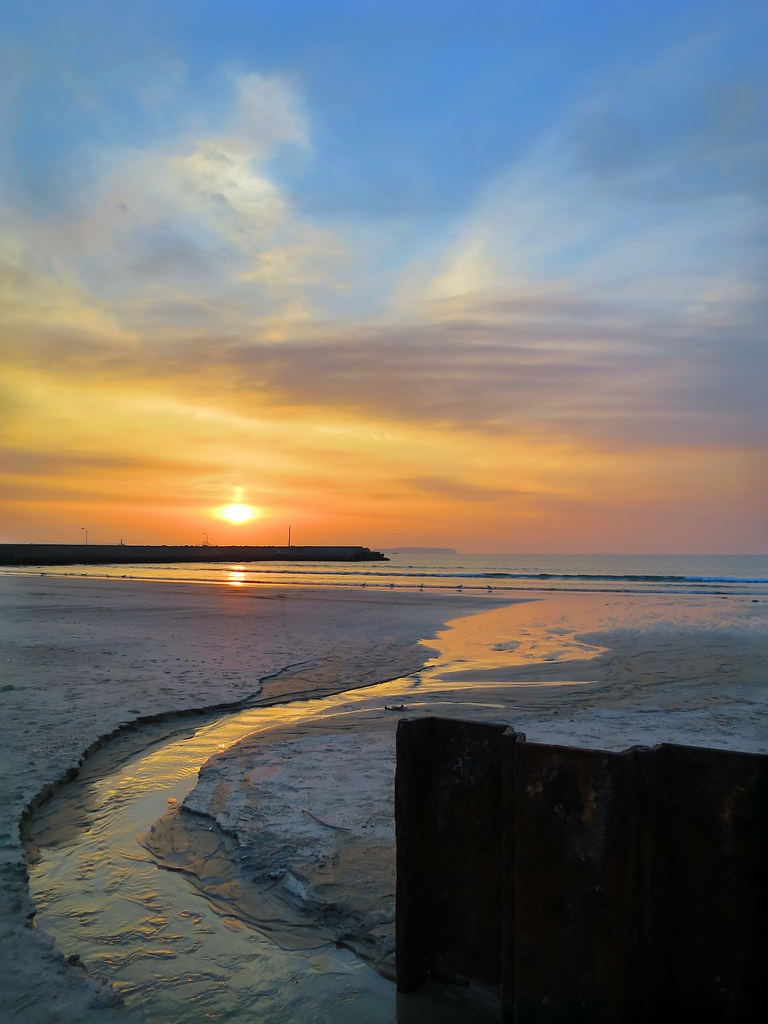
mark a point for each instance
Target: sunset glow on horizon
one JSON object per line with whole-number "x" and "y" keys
{"x": 400, "y": 275}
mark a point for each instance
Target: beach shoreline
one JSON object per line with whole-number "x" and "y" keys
{"x": 84, "y": 660}
{"x": 283, "y": 787}
{"x": 652, "y": 670}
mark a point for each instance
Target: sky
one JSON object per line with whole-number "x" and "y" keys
{"x": 491, "y": 276}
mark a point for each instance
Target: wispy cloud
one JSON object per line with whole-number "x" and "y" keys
{"x": 191, "y": 219}
{"x": 600, "y": 298}
{"x": 541, "y": 367}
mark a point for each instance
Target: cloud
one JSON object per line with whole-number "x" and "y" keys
{"x": 650, "y": 193}
{"x": 459, "y": 491}
{"x": 679, "y": 132}
{"x": 549, "y": 366}
{"x": 14, "y": 461}
{"x": 549, "y": 222}
{"x": 586, "y": 303}
{"x": 269, "y": 114}
{"x": 197, "y": 216}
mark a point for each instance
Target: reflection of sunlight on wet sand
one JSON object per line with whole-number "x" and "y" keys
{"x": 120, "y": 798}
{"x": 521, "y": 664}
{"x": 483, "y": 646}
{"x": 472, "y": 679}
{"x": 236, "y": 576}
{"x": 474, "y": 653}
{"x": 526, "y": 646}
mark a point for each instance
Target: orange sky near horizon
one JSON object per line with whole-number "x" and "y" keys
{"x": 339, "y": 476}
{"x": 500, "y": 301}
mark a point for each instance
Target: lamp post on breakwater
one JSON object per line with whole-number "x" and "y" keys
{"x": 85, "y": 529}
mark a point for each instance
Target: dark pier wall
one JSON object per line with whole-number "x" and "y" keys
{"x": 144, "y": 554}
{"x": 591, "y": 886}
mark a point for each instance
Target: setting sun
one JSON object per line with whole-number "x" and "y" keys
{"x": 558, "y": 348}
{"x": 237, "y": 514}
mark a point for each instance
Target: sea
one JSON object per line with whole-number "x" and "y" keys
{"x": 471, "y": 573}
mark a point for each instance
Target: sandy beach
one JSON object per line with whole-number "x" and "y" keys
{"x": 302, "y": 808}
{"x": 83, "y": 659}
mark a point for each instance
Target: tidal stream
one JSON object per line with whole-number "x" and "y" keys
{"x": 155, "y": 937}
{"x": 186, "y": 952}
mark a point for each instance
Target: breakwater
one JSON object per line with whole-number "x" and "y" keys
{"x": 147, "y": 554}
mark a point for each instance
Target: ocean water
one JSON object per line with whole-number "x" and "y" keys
{"x": 479, "y": 573}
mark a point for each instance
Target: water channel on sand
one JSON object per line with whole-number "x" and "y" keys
{"x": 157, "y": 938}
{"x": 607, "y": 671}
{"x": 187, "y": 948}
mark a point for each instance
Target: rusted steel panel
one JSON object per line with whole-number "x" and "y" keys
{"x": 449, "y": 861}
{"x": 595, "y": 886}
{"x": 509, "y": 742}
{"x": 574, "y": 893}
{"x": 414, "y": 828}
{"x": 711, "y": 838}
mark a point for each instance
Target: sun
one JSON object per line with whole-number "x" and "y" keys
{"x": 237, "y": 514}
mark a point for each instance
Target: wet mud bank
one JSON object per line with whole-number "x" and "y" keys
{"x": 293, "y": 836}
{"x": 86, "y": 659}
{"x": 233, "y": 921}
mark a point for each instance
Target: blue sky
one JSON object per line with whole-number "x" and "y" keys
{"x": 413, "y": 106}
{"x": 535, "y": 229}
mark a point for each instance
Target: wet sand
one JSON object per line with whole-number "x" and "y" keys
{"x": 306, "y": 808}
{"x": 82, "y": 659}
{"x": 305, "y": 811}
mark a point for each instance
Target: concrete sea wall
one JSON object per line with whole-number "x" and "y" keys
{"x": 589, "y": 885}
{"x": 148, "y": 554}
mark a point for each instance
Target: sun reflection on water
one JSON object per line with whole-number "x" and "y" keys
{"x": 236, "y": 576}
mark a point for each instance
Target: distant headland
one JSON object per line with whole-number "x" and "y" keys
{"x": 147, "y": 554}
